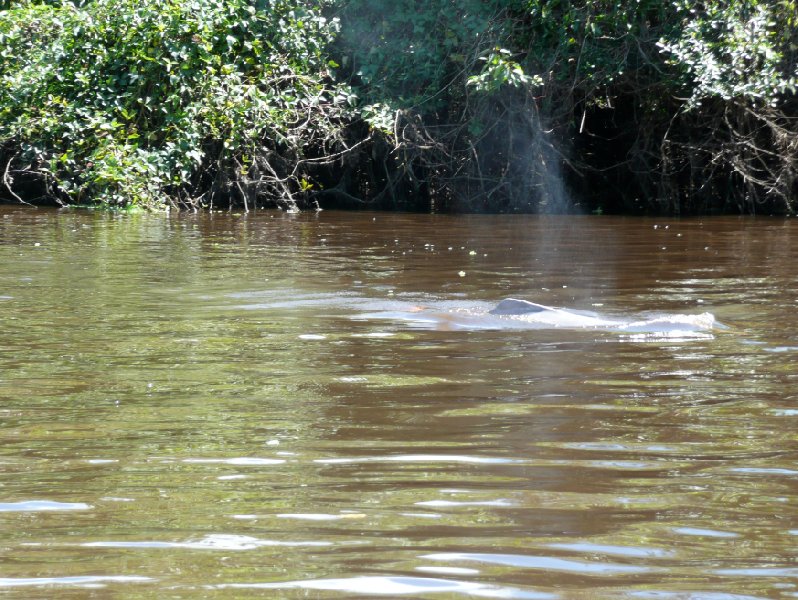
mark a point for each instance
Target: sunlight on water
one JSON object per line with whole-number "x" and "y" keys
{"x": 209, "y": 542}
{"x": 239, "y": 460}
{"x": 641, "y": 552}
{"x": 547, "y": 563}
{"x": 41, "y": 505}
{"x": 402, "y": 586}
{"x": 83, "y": 582}
{"x": 424, "y": 458}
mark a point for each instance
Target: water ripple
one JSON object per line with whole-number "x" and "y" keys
{"x": 423, "y": 458}
{"x": 540, "y": 562}
{"x": 240, "y": 461}
{"x": 759, "y": 572}
{"x": 705, "y": 532}
{"x": 635, "y": 551}
{"x": 763, "y": 471}
{"x": 79, "y": 581}
{"x": 321, "y": 516}
{"x": 438, "y": 503}
{"x": 694, "y": 595}
{"x": 209, "y": 542}
{"x": 42, "y": 505}
{"x": 379, "y": 586}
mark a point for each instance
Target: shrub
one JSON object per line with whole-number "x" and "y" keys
{"x": 155, "y": 101}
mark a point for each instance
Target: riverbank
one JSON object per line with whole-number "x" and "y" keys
{"x": 519, "y": 106}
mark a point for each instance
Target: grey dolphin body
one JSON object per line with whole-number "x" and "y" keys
{"x": 512, "y": 306}
{"x": 541, "y": 316}
{"x": 514, "y": 314}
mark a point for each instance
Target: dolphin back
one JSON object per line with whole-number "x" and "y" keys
{"x": 512, "y": 306}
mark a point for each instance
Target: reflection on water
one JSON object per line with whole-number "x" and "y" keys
{"x": 230, "y": 406}
{"x": 40, "y": 505}
{"x": 81, "y": 582}
{"x": 209, "y": 542}
{"x": 379, "y": 586}
{"x": 546, "y": 563}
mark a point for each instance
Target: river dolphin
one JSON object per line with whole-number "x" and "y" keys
{"x": 541, "y": 315}
{"x": 512, "y": 313}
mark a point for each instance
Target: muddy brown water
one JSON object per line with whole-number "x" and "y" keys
{"x": 236, "y": 406}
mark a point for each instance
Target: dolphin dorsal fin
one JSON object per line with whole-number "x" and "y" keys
{"x": 513, "y": 306}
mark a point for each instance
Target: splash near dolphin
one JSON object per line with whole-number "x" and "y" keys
{"x": 515, "y": 314}
{"x": 560, "y": 317}
{"x": 511, "y": 314}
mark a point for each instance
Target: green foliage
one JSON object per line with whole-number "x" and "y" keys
{"x": 736, "y": 49}
{"x": 475, "y": 104}
{"x": 487, "y": 101}
{"x": 499, "y": 71}
{"x": 131, "y": 101}
{"x": 405, "y": 54}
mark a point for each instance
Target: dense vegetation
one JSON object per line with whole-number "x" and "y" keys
{"x": 514, "y": 105}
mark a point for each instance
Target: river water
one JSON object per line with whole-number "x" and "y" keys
{"x": 236, "y": 406}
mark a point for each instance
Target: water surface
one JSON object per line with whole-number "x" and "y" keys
{"x": 233, "y": 406}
